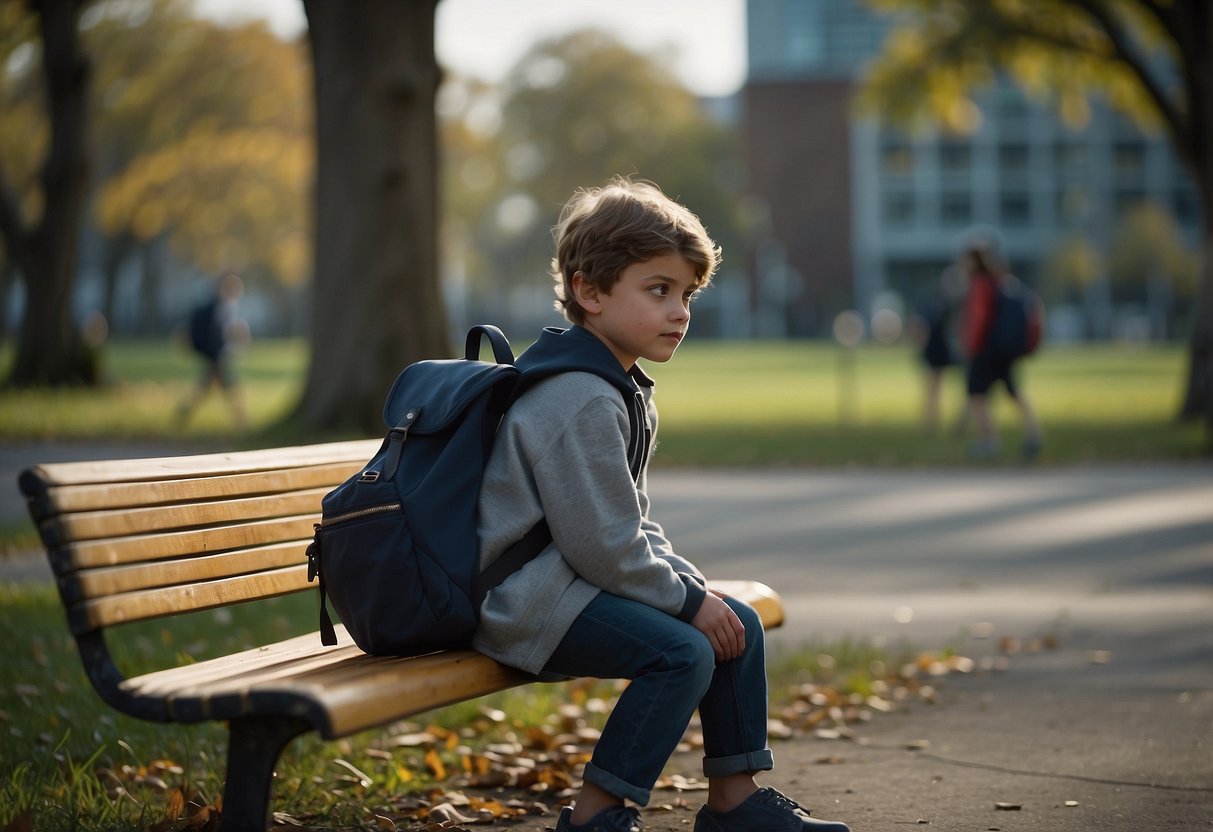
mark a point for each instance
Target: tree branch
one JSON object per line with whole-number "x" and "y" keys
{"x": 1164, "y": 14}
{"x": 1175, "y": 118}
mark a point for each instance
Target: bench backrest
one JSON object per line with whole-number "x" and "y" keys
{"x": 135, "y": 539}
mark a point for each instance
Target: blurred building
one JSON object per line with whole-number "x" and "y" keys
{"x": 850, "y": 209}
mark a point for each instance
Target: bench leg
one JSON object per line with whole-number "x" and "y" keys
{"x": 253, "y": 748}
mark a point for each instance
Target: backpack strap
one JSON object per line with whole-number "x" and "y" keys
{"x": 328, "y": 635}
{"x": 518, "y": 555}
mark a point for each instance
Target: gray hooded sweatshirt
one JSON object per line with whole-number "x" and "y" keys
{"x": 561, "y": 453}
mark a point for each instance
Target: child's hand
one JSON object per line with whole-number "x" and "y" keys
{"x": 720, "y": 624}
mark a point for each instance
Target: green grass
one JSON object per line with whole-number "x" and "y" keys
{"x": 792, "y": 404}
{"x": 722, "y": 404}
{"x": 145, "y": 381}
{"x": 70, "y": 762}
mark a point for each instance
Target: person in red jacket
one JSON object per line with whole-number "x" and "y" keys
{"x": 984, "y": 367}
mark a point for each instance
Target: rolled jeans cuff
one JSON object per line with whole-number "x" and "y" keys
{"x": 610, "y": 783}
{"x": 747, "y": 763}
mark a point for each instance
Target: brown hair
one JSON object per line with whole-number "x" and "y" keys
{"x": 604, "y": 230}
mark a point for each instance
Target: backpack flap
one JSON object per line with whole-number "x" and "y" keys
{"x": 442, "y": 389}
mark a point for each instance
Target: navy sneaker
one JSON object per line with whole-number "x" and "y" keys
{"x": 766, "y": 810}
{"x": 611, "y": 819}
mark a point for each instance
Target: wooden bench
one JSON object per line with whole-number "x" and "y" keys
{"x": 131, "y": 540}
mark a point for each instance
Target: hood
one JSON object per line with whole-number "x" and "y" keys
{"x": 577, "y": 349}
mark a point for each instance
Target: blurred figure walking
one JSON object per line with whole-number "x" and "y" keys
{"x": 935, "y": 332}
{"x": 214, "y": 327}
{"x": 987, "y": 275}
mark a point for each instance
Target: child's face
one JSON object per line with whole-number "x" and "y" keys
{"x": 645, "y": 315}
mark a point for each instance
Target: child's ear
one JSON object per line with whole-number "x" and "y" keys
{"x": 586, "y": 292}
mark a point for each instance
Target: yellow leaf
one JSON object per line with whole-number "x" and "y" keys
{"x": 174, "y": 806}
{"x": 434, "y": 763}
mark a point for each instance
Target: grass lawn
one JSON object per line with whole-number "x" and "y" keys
{"x": 722, "y": 404}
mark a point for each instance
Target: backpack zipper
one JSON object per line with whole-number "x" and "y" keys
{"x": 362, "y": 512}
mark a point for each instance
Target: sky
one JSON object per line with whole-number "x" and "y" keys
{"x": 703, "y": 39}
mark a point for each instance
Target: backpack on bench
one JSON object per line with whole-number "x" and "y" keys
{"x": 397, "y": 551}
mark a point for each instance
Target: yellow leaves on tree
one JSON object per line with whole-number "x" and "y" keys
{"x": 228, "y": 198}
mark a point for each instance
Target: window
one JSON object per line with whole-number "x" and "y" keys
{"x": 1013, "y": 157}
{"x": 896, "y": 157}
{"x": 1125, "y": 200}
{"x": 956, "y": 208}
{"x": 1070, "y": 157}
{"x": 1129, "y": 158}
{"x": 899, "y": 210}
{"x": 1015, "y": 209}
{"x": 955, "y": 157}
{"x": 1073, "y": 205}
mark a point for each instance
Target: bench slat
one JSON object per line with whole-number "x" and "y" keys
{"x": 143, "y": 604}
{"x": 93, "y": 525}
{"x": 201, "y": 465}
{"x": 384, "y": 692}
{"x": 114, "y": 551}
{"x": 97, "y": 583}
{"x": 70, "y": 498}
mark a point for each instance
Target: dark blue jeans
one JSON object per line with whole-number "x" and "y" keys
{"x": 672, "y": 671}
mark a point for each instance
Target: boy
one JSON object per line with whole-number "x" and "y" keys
{"x": 609, "y": 597}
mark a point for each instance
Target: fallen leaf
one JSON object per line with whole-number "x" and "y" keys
{"x": 434, "y": 763}
{"x": 446, "y": 813}
{"x": 198, "y": 820}
{"x": 174, "y": 807}
{"x": 386, "y": 824}
{"x": 414, "y": 740}
{"x": 364, "y": 779}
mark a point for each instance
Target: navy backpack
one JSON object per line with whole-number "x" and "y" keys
{"x": 1017, "y": 324}
{"x": 397, "y": 551}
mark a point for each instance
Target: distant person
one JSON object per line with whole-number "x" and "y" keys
{"x": 985, "y": 366}
{"x": 936, "y": 315}
{"x": 214, "y": 326}
{"x": 611, "y": 597}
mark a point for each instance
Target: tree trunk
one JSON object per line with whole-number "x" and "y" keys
{"x": 49, "y": 349}
{"x": 151, "y": 278}
{"x": 116, "y": 251}
{"x": 1195, "y": 38}
{"x": 7, "y": 273}
{"x": 1198, "y": 400}
{"x": 376, "y": 301}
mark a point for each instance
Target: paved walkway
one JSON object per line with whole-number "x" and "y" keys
{"x": 1113, "y": 730}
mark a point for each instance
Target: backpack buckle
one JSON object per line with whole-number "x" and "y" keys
{"x": 313, "y": 562}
